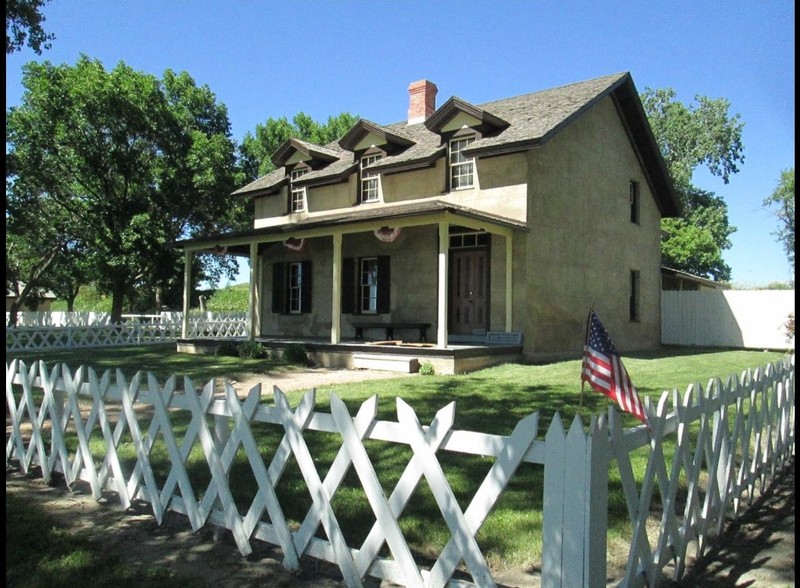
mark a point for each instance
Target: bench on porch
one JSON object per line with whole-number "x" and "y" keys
{"x": 389, "y": 328}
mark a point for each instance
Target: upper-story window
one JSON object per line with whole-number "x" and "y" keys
{"x": 297, "y": 194}
{"x": 461, "y": 167}
{"x": 634, "y": 201}
{"x": 370, "y": 181}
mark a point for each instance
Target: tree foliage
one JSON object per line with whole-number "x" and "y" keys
{"x": 701, "y": 134}
{"x": 782, "y": 201}
{"x": 134, "y": 162}
{"x": 256, "y": 150}
{"x": 24, "y": 23}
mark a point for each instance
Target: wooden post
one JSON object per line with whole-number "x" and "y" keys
{"x": 336, "y": 298}
{"x": 444, "y": 246}
{"x": 252, "y": 302}
{"x": 221, "y": 434}
{"x": 187, "y": 292}
{"x": 509, "y": 282}
{"x": 575, "y": 517}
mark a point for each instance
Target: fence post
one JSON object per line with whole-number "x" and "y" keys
{"x": 575, "y": 517}
{"x": 221, "y": 434}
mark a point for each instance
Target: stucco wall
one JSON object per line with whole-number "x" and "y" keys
{"x": 573, "y": 192}
{"x": 413, "y": 281}
{"x": 582, "y": 245}
{"x": 410, "y": 185}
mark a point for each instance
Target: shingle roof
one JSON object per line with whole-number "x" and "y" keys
{"x": 362, "y": 214}
{"x": 532, "y": 120}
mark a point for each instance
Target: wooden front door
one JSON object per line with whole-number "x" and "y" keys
{"x": 469, "y": 291}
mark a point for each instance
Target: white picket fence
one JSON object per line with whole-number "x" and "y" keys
{"x": 739, "y": 433}
{"x": 94, "y": 330}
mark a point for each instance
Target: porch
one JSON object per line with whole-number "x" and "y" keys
{"x": 462, "y": 355}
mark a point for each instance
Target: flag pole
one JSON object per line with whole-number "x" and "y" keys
{"x": 585, "y": 343}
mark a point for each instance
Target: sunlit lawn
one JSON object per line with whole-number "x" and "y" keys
{"x": 492, "y": 400}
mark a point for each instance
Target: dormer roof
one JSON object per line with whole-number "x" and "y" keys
{"x": 363, "y": 128}
{"x": 509, "y": 125}
{"x": 456, "y": 105}
{"x": 316, "y": 153}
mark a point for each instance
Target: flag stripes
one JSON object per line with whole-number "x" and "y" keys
{"x": 603, "y": 369}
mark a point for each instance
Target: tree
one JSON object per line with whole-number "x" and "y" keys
{"x": 135, "y": 161}
{"x": 783, "y": 199}
{"x": 24, "y": 21}
{"x": 255, "y": 151}
{"x": 701, "y": 134}
{"x": 37, "y": 231}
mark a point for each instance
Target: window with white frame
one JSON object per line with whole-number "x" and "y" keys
{"x": 297, "y": 194}
{"x": 461, "y": 166}
{"x": 369, "y": 285}
{"x": 295, "y": 287}
{"x": 370, "y": 181}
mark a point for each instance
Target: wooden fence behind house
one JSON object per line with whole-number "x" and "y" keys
{"x": 739, "y": 433}
{"x": 743, "y": 319}
{"x": 135, "y": 330}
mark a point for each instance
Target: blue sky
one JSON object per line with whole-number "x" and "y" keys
{"x": 277, "y": 58}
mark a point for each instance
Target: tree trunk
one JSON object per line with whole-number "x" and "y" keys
{"x": 73, "y": 294}
{"x": 117, "y": 300}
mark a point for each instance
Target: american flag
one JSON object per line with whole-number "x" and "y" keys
{"x": 603, "y": 369}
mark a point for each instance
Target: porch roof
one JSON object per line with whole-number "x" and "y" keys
{"x": 237, "y": 242}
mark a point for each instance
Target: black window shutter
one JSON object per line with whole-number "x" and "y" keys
{"x": 305, "y": 292}
{"x": 384, "y": 284}
{"x": 348, "y": 286}
{"x": 279, "y": 297}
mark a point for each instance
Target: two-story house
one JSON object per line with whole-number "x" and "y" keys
{"x": 512, "y": 216}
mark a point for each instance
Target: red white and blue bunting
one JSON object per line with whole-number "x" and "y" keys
{"x": 387, "y": 234}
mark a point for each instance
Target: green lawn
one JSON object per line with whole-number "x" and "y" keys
{"x": 491, "y": 401}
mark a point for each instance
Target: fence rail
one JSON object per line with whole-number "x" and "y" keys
{"x": 95, "y": 331}
{"x": 739, "y": 434}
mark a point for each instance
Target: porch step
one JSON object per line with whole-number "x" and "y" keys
{"x": 386, "y": 362}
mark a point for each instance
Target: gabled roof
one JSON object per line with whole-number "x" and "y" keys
{"x": 355, "y": 215}
{"x": 453, "y": 106}
{"x": 518, "y": 123}
{"x": 364, "y": 127}
{"x": 292, "y": 146}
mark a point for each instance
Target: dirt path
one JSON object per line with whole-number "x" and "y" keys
{"x": 755, "y": 550}
{"x": 307, "y": 378}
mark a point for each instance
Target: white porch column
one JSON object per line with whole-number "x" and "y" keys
{"x": 509, "y": 281}
{"x": 252, "y": 306}
{"x": 336, "y": 294}
{"x": 444, "y": 246}
{"x": 187, "y": 292}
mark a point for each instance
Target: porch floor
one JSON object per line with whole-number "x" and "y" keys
{"x": 462, "y": 355}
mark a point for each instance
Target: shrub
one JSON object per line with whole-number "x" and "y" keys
{"x": 789, "y": 328}
{"x": 426, "y": 369}
{"x": 295, "y": 353}
{"x": 252, "y": 350}
{"x": 228, "y": 349}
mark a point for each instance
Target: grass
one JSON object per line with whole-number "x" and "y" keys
{"x": 491, "y": 401}
{"x": 40, "y": 552}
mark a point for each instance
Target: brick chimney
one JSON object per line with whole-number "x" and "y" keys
{"x": 422, "y": 101}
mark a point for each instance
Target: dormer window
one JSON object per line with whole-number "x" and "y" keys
{"x": 461, "y": 167}
{"x": 297, "y": 194}
{"x": 370, "y": 181}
